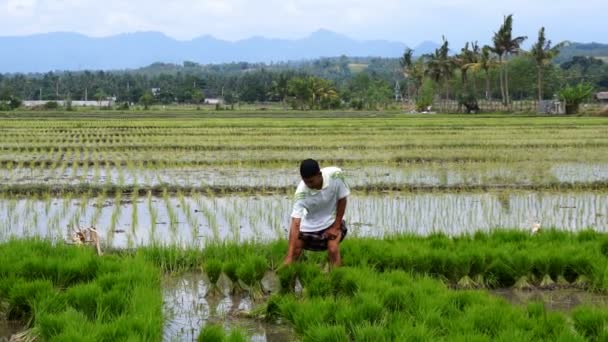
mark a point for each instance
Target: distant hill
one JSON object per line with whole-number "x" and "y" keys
{"x": 597, "y": 50}
{"x": 71, "y": 51}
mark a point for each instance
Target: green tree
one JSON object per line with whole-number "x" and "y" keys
{"x": 504, "y": 46}
{"x": 197, "y": 96}
{"x": 486, "y": 62}
{"x": 543, "y": 53}
{"x": 573, "y": 96}
{"x": 100, "y": 95}
{"x": 146, "y": 99}
{"x": 440, "y": 67}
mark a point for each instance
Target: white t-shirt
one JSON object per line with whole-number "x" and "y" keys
{"x": 317, "y": 208}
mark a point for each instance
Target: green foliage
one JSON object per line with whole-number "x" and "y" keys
{"x": 575, "y": 95}
{"x": 51, "y": 105}
{"x": 146, "y": 99}
{"x": 425, "y": 98}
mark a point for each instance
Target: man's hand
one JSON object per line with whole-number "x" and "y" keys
{"x": 334, "y": 231}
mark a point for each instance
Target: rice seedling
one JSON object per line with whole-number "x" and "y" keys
{"x": 213, "y": 269}
{"x": 250, "y": 272}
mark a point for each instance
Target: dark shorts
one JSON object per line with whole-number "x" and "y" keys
{"x": 316, "y": 241}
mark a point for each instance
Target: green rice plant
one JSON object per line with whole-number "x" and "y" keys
{"x": 371, "y": 333}
{"x": 212, "y": 333}
{"x": 85, "y": 299}
{"x": 326, "y": 333}
{"x": 250, "y": 272}
{"x": 173, "y": 221}
{"x": 213, "y": 269}
{"x": 134, "y": 216}
{"x": 22, "y": 296}
{"x": 460, "y": 272}
{"x": 501, "y": 271}
{"x": 343, "y": 282}
{"x": 547, "y": 325}
{"x": 522, "y": 269}
{"x": 542, "y": 269}
{"x": 590, "y": 323}
{"x": 287, "y": 277}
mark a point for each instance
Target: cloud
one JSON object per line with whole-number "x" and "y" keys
{"x": 406, "y": 21}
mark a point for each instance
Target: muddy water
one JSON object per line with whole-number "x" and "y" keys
{"x": 8, "y": 328}
{"x": 196, "y": 220}
{"x": 188, "y": 308}
{"x": 558, "y": 300}
{"x": 429, "y": 175}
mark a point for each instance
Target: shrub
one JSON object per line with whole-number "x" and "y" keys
{"x": 575, "y": 95}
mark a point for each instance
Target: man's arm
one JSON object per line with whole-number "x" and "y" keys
{"x": 334, "y": 231}
{"x": 294, "y": 231}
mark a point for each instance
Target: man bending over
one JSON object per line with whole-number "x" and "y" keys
{"x": 317, "y": 218}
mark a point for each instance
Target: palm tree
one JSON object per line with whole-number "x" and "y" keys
{"x": 543, "y": 53}
{"x": 440, "y": 67}
{"x": 407, "y": 65}
{"x": 280, "y": 88}
{"x": 487, "y": 61}
{"x": 505, "y": 45}
{"x": 466, "y": 58}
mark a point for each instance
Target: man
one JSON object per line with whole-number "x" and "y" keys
{"x": 318, "y": 211}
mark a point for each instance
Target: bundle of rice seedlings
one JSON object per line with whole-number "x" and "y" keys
{"x": 500, "y": 272}
{"x": 585, "y": 271}
{"x": 213, "y": 269}
{"x": 229, "y": 269}
{"x": 557, "y": 269}
{"x": 287, "y": 277}
{"x": 461, "y": 271}
{"x": 522, "y": 268}
{"x": 250, "y": 272}
{"x": 541, "y": 269}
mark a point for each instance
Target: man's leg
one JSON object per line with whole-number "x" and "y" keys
{"x": 333, "y": 250}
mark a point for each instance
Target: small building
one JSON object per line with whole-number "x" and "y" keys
{"x": 602, "y": 97}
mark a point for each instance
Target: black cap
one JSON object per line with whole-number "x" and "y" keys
{"x": 309, "y": 168}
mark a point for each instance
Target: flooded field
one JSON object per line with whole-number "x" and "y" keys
{"x": 163, "y": 182}
{"x": 195, "y": 220}
{"x": 188, "y": 307}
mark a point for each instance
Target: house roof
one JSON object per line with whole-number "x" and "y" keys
{"x": 602, "y": 95}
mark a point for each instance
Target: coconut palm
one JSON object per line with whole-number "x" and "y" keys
{"x": 505, "y": 45}
{"x": 543, "y": 53}
{"x": 486, "y": 62}
{"x": 440, "y": 67}
{"x": 466, "y": 58}
{"x": 412, "y": 70}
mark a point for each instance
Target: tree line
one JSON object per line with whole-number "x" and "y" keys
{"x": 501, "y": 70}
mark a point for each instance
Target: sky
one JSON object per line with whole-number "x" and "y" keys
{"x": 410, "y": 22}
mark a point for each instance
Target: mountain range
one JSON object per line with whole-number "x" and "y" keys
{"x": 73, "y": 51}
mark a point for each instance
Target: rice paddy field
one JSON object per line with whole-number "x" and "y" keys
{"x": 193, "y": 211}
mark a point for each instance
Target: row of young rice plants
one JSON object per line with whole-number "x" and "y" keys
{"x": 404, "y": 288}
